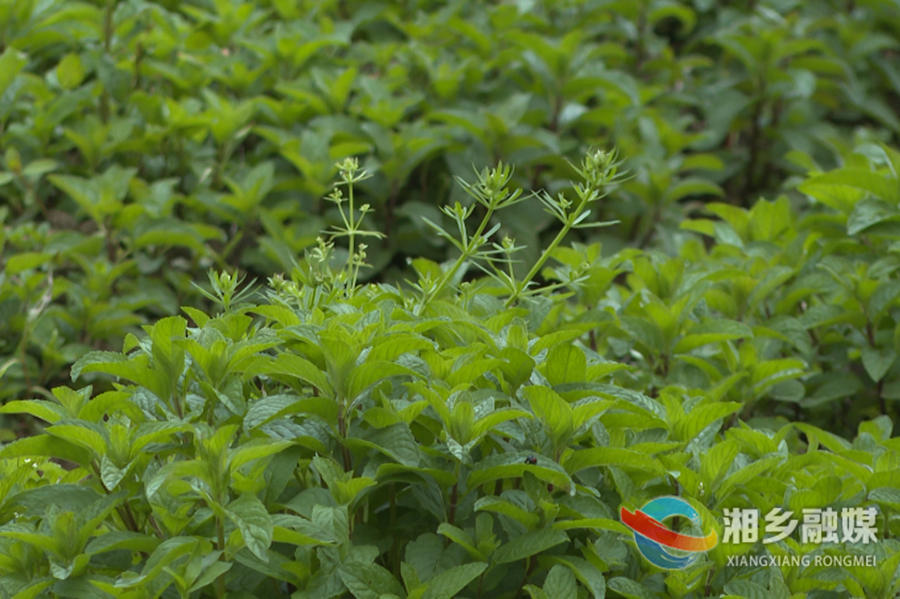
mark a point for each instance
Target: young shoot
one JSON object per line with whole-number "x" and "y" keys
{"x": 352, "y": 217}
{"x": 598, "y": 171}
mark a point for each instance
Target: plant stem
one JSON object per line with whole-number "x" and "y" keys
{"x": 469, "y": 251}
{"x": 220, "y": 545}
{"x": 342, "y": 432}
{"x": 528, "y": 566}
{"x": 454, "y": 495}
{"x": 351, "y": 227}
{"x": 545, "y": 255}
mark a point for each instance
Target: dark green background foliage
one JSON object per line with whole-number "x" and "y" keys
{"x": 450, "y": 280}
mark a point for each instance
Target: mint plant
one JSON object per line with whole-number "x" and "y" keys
{"x": 319, "y": 440}
{"x": 244, "y": 351}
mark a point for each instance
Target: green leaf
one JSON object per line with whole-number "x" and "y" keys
{"x": 512, "y": 465}
{"x": 448, "y": 583}
{"x": 11, "y": 62}
{"x": 768, "y": 373}
{"x": 70, "y": 71}
{"x": 301, "y": 368}
{"x": 712, "y": 331}
{"x": 560, "y": 582}
{"x": 747, "y": 589}
{"x": 886, "y": 495}
{"x": 117, "y": 540}
{"x": 212, "y": 572}
{"x": 461, "y": 538}
{"x": 254, "y": 522}
{"x": 165, "y": 553}
{"x": 101, "y": 361}
{"x": 35, "y": 588}
{"x": 81, "y": 433}
{"x": 553, "y": 411}
{"x": 371, "y": 372}
{"x": 26, "y": 261}
{"x": 612, "y": 456}
{"x": 627, "y": 588}
{"x": 881, "y": 187}
{"x": 368, "y": 581}
{"x": 487, "y": 423}
{"x": 716, "y": 461}
{"x": 752, "y": 471}
{"x": 45, "y": 410}
{"x": 702, "y": 416}
{"x": 255, "y": 450}
{"x": 535, "y": 592}
{"x": 267, "y": 408}
{"x": 499, "y": 505}
{"x": 880, "y": 428}
{"x": 877, "y": 361}
{"x": 693, "y": 187}
{"x": 587, "y": 573}
{"x": 868, "y": 213}
{"x": 565, "y": 364}
{"x": 529, "y": 544}
{"x": 395, "y": 441}
{"x": 110, "y": 474}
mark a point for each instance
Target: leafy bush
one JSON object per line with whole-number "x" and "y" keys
{"x": 467, "y": 437}
{"x": 446, "y": 386}
{"x": 145, "y": 142}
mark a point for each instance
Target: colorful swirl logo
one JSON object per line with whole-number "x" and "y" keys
{"x": 653, "y": 538}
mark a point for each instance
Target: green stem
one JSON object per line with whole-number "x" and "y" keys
{"x": 545, "y": 255}
{"x": 469, "y": 251}
{"x": 220, "y": 533}
{"x": 351, "y": 227}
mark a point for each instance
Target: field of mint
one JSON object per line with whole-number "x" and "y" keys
{"x": 405, "y": 299}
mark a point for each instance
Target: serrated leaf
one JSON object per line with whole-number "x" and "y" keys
{"x": 82, "y": 434}
{"x": 587, "y": 573}
{"x": 45, "y": 410}
{"x": 560, "y": 582}
{"x": 770, "y": 372}
{"x": 165, "y": 553}
{"x": 110, "y": 474}
{"x": 301, "y": 368}
{"x": 565, "y": 364}
{"x": 368, "y": 581}
{"x": 267, "y": 408}
{"x": 627, "y": 587}
{"x": 553, "y": 411}
{"x": 254, "y": 522}
{"x": 448, "y": 583}
{"x": 371, "y": 372}
{"x": 255, "y": 450}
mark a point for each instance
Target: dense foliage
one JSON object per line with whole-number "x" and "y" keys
{"x": 144, "y": 142}
{"x": 442, "y": 383}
